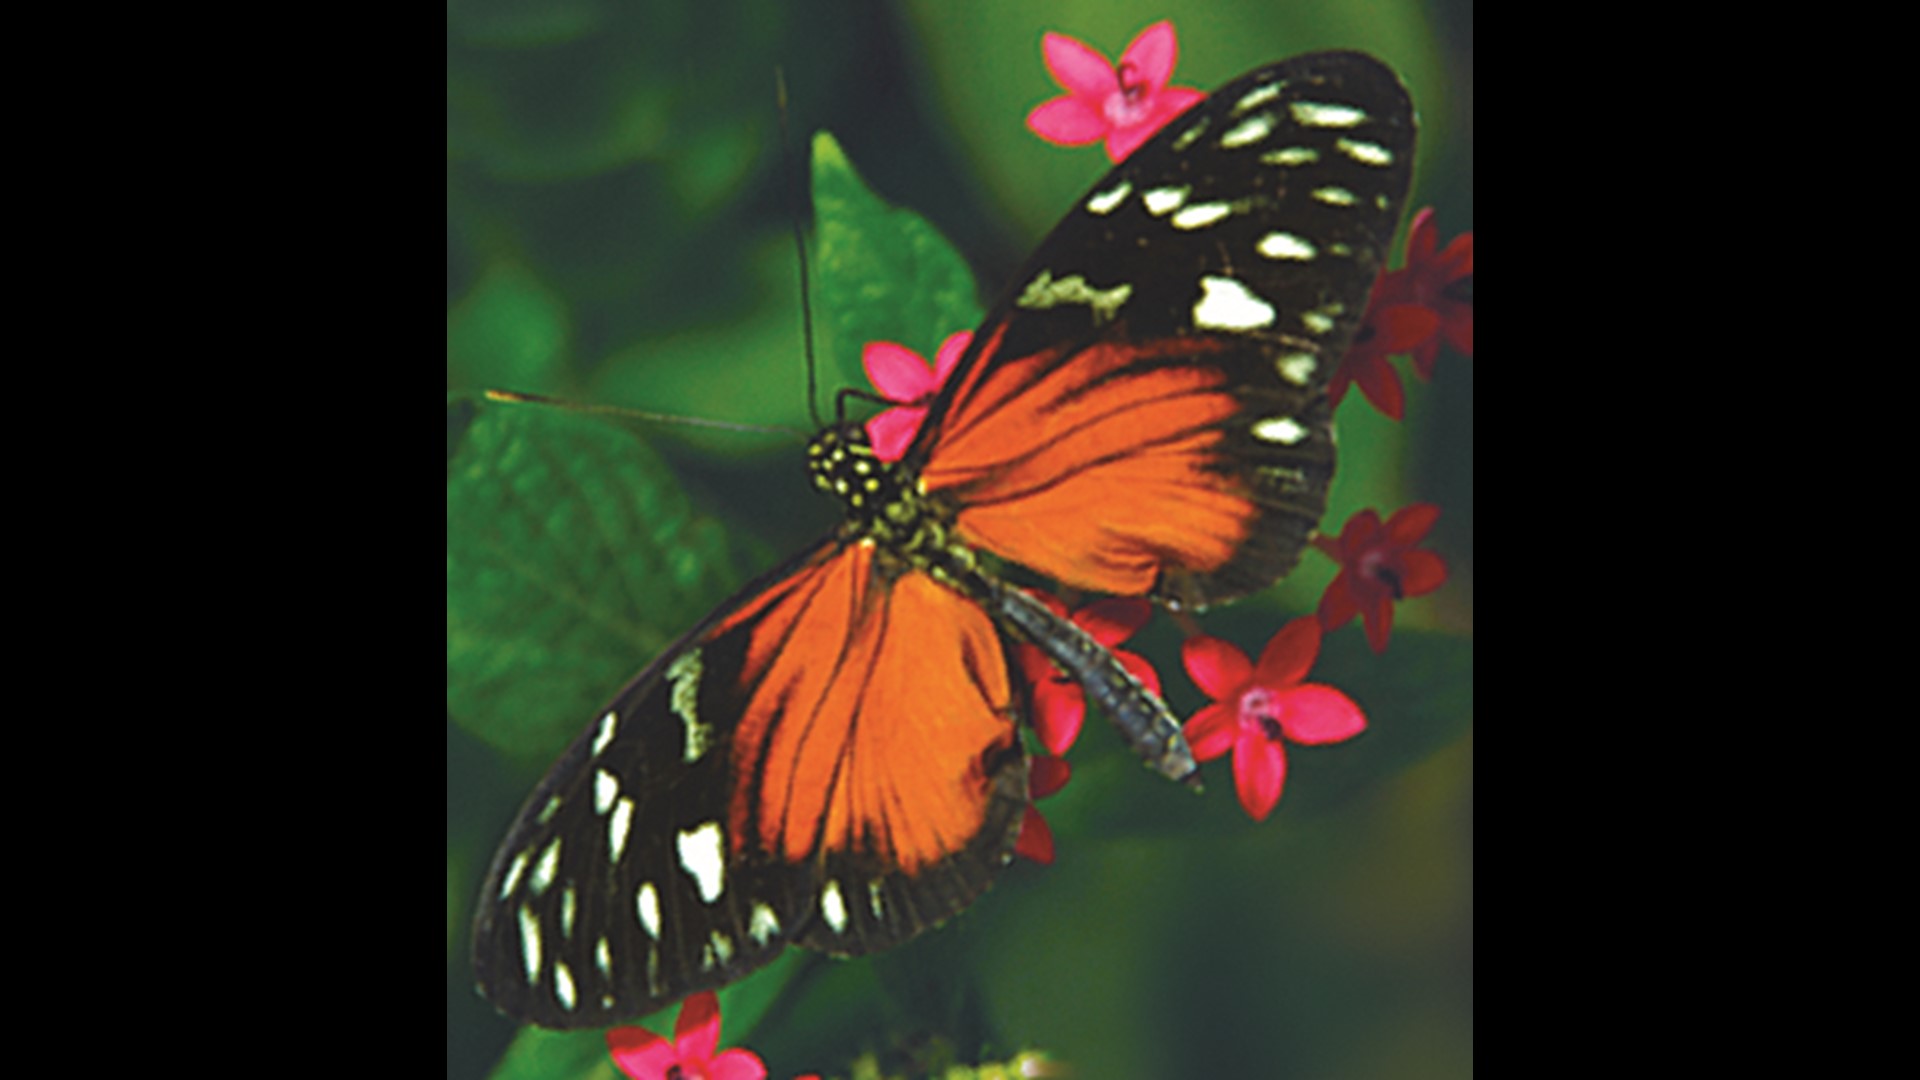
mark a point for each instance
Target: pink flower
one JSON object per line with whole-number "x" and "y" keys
{"x": 1123, "y": 104}
{"x": 1378, "y": 566}
{"x": 1059, "y": 705}
{"x": 1256, "y": 706}
{"x": 690, "y": 1056}
{"x": 1046, "y": 775}
{"x": 903, "y": 377}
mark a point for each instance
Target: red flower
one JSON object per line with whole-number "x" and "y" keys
{"x": 902, "y": 376}
{"x": 1045, "y": 776}
{"x": 1254, "y": 706}
{"x": 1123, "y": 104}
{"x": 1379, "y": 565}
{"x": 1442, "y": 283}
{"x": 1412, "y": 310}
{"x": 1059, "y": 705}
{"x": 690, "y": 1056}
{"x": 1393, "y": 324}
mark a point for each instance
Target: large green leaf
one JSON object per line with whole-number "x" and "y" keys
{"x": 573, "y": 559}
{"x": 885, "y": 274}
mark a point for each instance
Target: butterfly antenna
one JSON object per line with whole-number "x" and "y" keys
{"x": 514, "y": 397}
{"x": 799, "y": 241}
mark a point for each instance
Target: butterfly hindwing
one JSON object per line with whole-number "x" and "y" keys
{"x": 1145, "y": 412}
{"x": 760, "y": 785}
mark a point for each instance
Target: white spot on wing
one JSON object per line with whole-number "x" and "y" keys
{"x": 606, "y": 788}
{"x": 1105, "y": 201}
{"x": 1334, "y": 196}
{"x": 1043, "y": 292}
{"x": 722, "y": 946}
{"x": 1200, "y": 215}
{"x": 1226, "y": 304}
{"x": 514, "y": 869}
{"x": 1249, "y": 131}
{"x": 1187, "y": 137}
{"x": 1257, "y": 97}
{"x": 647, "y": 903}
{"x": 563, "y": 986}
{"x": 543, "y": 870}
{"x": 1365, "y": 153}
{"x": 530, "y": 943}
{"x": 833, "y": 908}
{"x": 1291, "y": 155}
{"x": 617, "y": 827}
{"x": 603, "y": 958}
{"x": 684, "y": 673}
{"x": 604, "y": 736}
{"x": 1284, "y": 430}
{"x": 1297, "y": 368}
{"x": 762, "y": 924}
{"x": 1161, "y": 201}
{"x": 1281, "y": 245}
{"x": 703, "y": 857}
{"x": 566, "y": 912}
{"x": 1326, "y": 115}
{"x": 875, "y": 900}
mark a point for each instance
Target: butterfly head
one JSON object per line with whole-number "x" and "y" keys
{"x": 843, "y": 464}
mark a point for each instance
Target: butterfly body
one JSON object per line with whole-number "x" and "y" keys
{"x": 831, "y": 758}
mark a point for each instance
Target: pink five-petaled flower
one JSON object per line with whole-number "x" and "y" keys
{"x": 1379, "y": 565}
{"x": 1441, "y": 282}
{"x": 903, "y": 377}
{"x": 690, "y": 1056}
{"x": 1059, "y": 705}
{"x": 1046, "y": 775}
{"x": 1123, "y": 104}
{"x": 1255, "y": 706}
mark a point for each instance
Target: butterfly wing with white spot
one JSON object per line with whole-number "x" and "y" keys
{"x": 1145, "y": 411}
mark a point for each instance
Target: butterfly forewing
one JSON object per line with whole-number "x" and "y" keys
{"x": 1145, "y": 411}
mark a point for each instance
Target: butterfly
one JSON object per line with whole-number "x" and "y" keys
{"x": 831, "y": 757}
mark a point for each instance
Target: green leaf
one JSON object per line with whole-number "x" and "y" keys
{"x": 573, "y": 559}
{"x": 537, "y": 1054}
{"x": 884, "y": 274}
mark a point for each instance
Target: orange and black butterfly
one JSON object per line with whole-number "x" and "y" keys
{"x": 831, "y": 758}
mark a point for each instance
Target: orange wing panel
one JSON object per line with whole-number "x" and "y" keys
{"x": 874, "y": 706}
{"x": 1097, "y": 470}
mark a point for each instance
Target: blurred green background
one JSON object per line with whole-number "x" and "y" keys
{"x": 618, "y": 231}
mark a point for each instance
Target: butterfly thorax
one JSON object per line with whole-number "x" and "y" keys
{"x": 884, "y": 504}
